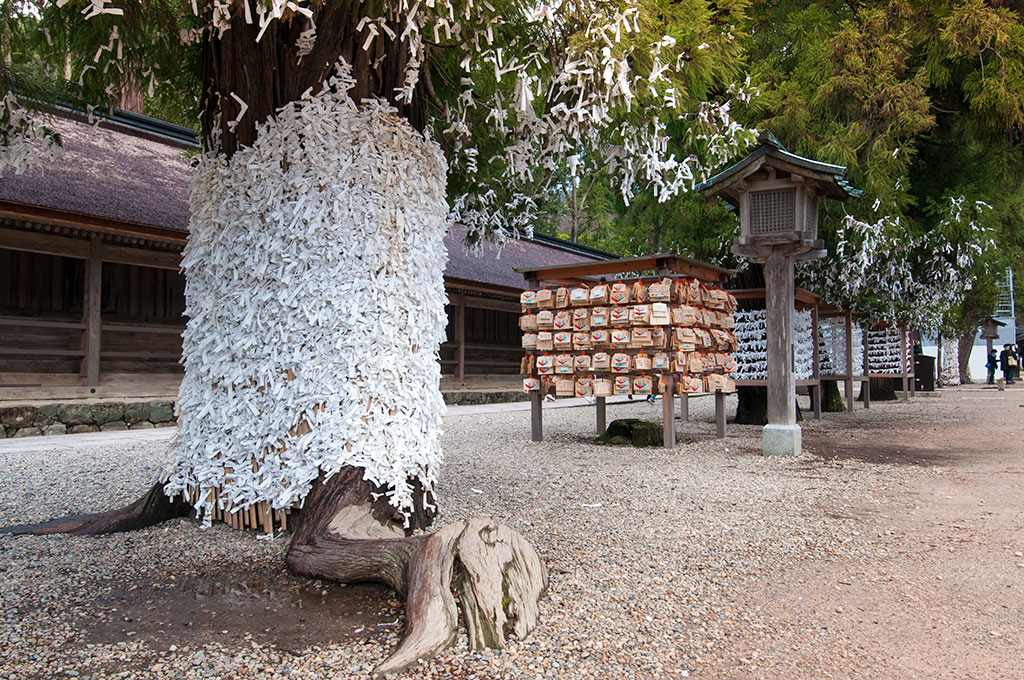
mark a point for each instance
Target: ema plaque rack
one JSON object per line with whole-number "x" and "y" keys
{"x": 639, "y": 326}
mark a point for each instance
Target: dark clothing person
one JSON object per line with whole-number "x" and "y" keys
{"x": 992, "y": 364}
{"x": 1007, "y": 364}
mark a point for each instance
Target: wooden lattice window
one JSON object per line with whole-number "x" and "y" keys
{"x": 772, "y": 212}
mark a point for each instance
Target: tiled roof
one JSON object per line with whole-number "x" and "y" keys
{"x": 111, "y": 171}
{"x": 118, "y": 172}
{"x": 499, "y": 268}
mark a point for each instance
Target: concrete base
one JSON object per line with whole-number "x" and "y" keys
{"x": 780, "y": 440}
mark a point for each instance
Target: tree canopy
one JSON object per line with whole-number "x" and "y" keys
{"x": 924, "y": 103}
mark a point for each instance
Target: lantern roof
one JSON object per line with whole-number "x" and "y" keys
{"x": 771, "y": 155}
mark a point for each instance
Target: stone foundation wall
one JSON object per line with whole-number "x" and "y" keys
{"x": 31, "y": 421}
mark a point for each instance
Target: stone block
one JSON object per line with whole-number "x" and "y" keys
{"x": 114, "y": 426}
{"x": 781, "y": 440}
{"x": 74, "y": 414}
{"x": 55, "y": 428}
{"x": 18, "y": 416}
{"x": 46, "y": 415}
{"x": 107, "y": 413}
{"x": 79, "y": 429}
{"x": 27, "y": 432}
{"x": 136, "y": 412}
{"x": 144, "y": 425}
{"x": 161, "y": 411}
{"x": 169, "y": 423}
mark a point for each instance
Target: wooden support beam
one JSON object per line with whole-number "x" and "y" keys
{"x": 913, "y": 365}
{"x": 849, "y": 360}
{"x": 816, "y": 392}
{"x": 904, "y": 371}
{"x": 684, "y": 407}
{"x": 47, "y": 244}
{"x": 865, "y": 388}
{"x": 83, "y": 249}
{"x": 536, "y": 416}
{"x": 720, "y": 422}
{"x": 668, "y": 412}
{"x": 91, "y": 337}
{"x": 778, "y": 271}
{"x": 460, "y": 339}
{"x": 602, "y": 415}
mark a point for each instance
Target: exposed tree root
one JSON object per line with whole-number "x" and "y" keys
{"x": 498, "y": 575}
{"x": 346, "y": 534}
{"x": 154, "y": 507}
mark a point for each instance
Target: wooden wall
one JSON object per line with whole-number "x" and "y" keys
{"x": 41, "y": 317}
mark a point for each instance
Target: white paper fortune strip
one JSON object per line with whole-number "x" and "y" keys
{"x": 315, "y": 300}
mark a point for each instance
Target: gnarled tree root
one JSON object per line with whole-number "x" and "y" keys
{"x": 346, "y": 532}
{"x": 154, "y": 507}
{"x": 498, "y": 575}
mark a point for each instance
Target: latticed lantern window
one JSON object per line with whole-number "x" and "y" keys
{"x": 772, "y": 212}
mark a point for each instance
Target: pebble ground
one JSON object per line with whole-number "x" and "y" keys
{"x": 645, "y": 548}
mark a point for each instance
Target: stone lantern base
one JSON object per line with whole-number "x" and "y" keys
{"x": 781, "y": 440}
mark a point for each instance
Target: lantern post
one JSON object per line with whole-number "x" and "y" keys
{"x": 777, "y": 194}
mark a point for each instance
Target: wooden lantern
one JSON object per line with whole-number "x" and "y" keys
{"x": 777, "y": 194}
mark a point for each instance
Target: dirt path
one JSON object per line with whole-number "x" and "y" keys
{"x": 936, "y": 587}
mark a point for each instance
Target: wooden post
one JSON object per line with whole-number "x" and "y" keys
{"x": 684, "y": 407}
{"x": 849, "y": 359}
{"x": 817, "y": 363}
{"x": 601, "y": 416}
{"x": 667, "y": 412}
{"x": 720, "y": 414}
{"x": 536, "y": 416}
{"x": 91, "y": 337}
{"x": 460, "y": 338}
{"x": 913, "y": 363}
{"x": 902, "y": 355}
{"x": 816, "y": 392}
{"x": 779, "y": 292}
{"x": 865, "y": 390}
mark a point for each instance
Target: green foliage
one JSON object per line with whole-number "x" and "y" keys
{"x": 924, "y": 104}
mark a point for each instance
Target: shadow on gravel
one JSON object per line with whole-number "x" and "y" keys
{"x": 273, "y": 606}
{"x": 890, "y": 454}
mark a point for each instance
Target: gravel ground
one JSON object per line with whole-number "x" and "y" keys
{"x": 689, "y": 563}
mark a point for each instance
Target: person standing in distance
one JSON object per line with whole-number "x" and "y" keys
{"x": 1005, "y": 365}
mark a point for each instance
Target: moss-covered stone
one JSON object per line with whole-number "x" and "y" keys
{"x": 107, "y": 413}
{"x": 647, "y": 434}
{"x": 18, "y": 416}
{"x": 46, "y": 415}
{"x": 632, "y": 431}
{"x": 75, "y": 414}
{"x": 161, "y": 411}
{"x": 136, "y": 412}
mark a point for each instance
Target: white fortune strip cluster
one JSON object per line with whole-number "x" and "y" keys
{"x": 315, "y": 310}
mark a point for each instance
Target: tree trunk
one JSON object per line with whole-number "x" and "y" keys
{"x": 315, "y": 303}
{"x": 965, "y": 346}
{"x": 882, "y": 389}
{"x": 752, "y": 406}
{"x": 831, "y": 397}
